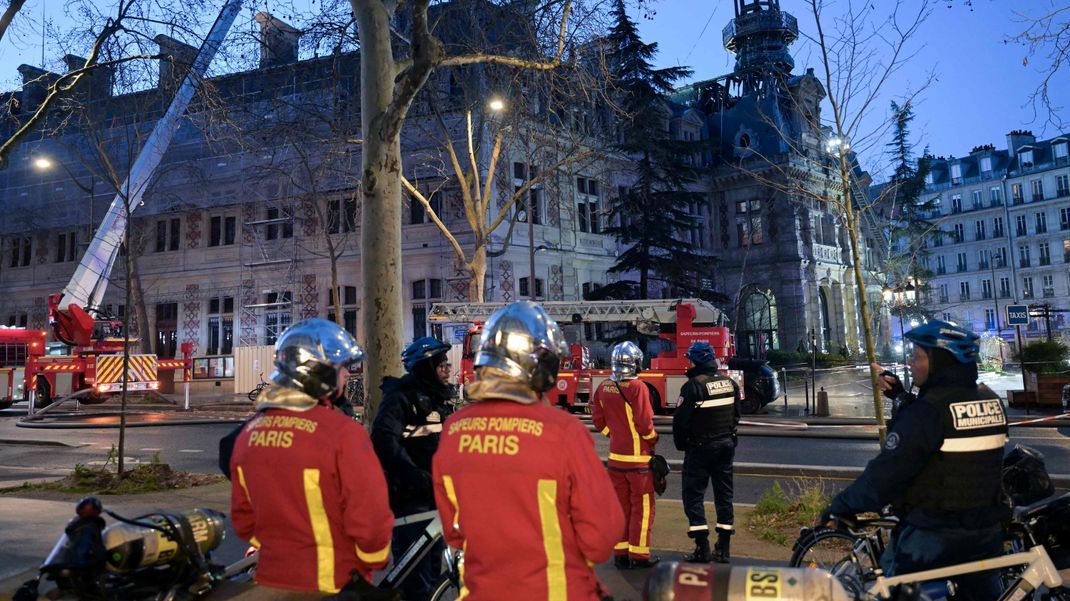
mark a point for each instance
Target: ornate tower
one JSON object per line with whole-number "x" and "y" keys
{"x": 759, "y": 36}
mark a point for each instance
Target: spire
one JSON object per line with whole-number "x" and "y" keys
{"x": 759, "y": 36}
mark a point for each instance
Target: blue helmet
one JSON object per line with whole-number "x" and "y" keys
{"x": 422, "y": 349}
{"x": 955, "y": 339}
{"x": 701, "y": 353}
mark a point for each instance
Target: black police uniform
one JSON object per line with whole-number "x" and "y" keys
{"x": 704, "y": 427}
{"x": 940, "y": 471}
{"x": 405, "y": 436}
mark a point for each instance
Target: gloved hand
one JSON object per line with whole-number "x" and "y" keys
{"x": 890, "y": 384}
{"x": 826, "y": 519}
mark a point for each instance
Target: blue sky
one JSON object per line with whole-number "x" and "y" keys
{"x": 980, "y": 94}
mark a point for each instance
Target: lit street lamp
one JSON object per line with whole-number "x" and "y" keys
{"x": 900, "y": 297}
{"x": 43, "y": 163}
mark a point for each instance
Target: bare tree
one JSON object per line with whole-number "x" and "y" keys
{"x": 1047, "y": 36}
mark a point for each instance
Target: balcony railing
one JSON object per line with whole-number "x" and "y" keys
{"x": 997, "y": 233}
{"x": 1049, "y": 292}
{"x": 1000, "y": 263}
{"x": 1004, "y": 293}
{"x": 986, "y": 294}
{"x": 961, "y": 268}
{"x": 1017, "y": 200}
{"x": 964, "y": 297}
{"x": 943, "y": 298}
{"x": 980, "y": 235}
{"x": 982, "y": 265}
{"x": 1027, "y": 293}
{"x": 941, "y": 271}
{"x": 1024, "y": 263}
{"x": 1065, "y": 225}
{"x": 1045, "y": 260}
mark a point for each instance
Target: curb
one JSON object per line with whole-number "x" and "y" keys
{"x": 84, "y": 426}
{"x": 39, "y": 443}
{"x": 784, "y": 433}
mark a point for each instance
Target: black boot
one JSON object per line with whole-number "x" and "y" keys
{"x": 622, "y": 562}
{"x": 721, "y": 549}
{"x": 645, "y": 563}
{"x": 702, "y": 550}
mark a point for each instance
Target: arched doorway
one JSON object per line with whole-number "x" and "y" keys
{"x": 826, "y": 324}
{"x": 757, "y": 318}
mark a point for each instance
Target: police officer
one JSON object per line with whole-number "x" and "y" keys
{"x": 704, "y": 427}
{"x": 940, "y": 465}
{"x": 306, "y": 488}
{"x": 621, "y": 410}
{"x": 517, "y": 482}
{"x": 405, "y": 435}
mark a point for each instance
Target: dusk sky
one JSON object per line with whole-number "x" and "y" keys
{"x": 981, "y": 93}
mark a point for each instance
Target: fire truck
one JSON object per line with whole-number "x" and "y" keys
{"x": 100, "y": 362}
{"x": 17, "y": 347}
{"x": 679, "y": 322}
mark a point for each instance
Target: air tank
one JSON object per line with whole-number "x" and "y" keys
{"x": 718, "y": 582}
{"x": 131, "y": 547}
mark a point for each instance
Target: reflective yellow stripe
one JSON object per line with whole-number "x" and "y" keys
{"x": 377, "y": 557}
{"x": 254, "y": 542}
{"x": 557, "y": 587}
{"x": 630, "y": 458}
{"x": 460, "y": 570}
{"x": 605, "y": 431}
{"x": 621, "y": 546}
{"x": 639, "y": 550}
{"x": 650, "y": 436}
{"x": 644, "y": 527}
{"x": 451, "y": 494}
{"x": 241, "y": 480}
{"x": 321, "y": 531}
{"x": 631, "y": 426}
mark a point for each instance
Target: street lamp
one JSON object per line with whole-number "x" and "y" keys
{"x": 496, "y": 104}
{"x": 837, "y": 145}
{"x": 899, "y": 297}
{"x": 43, "y": 163}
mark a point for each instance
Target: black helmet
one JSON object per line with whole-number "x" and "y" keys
{"x": 308, "y": 356}
{"x": 1025, "y": 477}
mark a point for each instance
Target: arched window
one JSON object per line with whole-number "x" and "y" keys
{"x": 758, "y": 323}
{"x": 826, "y": 327}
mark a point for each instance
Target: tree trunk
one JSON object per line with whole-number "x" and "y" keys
{"x": 137, "y": 296}
{"x": 477, "y": 270}
{"x": 380, "y": 220}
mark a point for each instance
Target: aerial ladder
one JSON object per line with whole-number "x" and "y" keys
{"x": 76, "y": 315}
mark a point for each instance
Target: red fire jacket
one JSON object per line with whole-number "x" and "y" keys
{"x": 522, "y": 492}
{"x": 621, "y": 411}
{"x": 308, "y": 491}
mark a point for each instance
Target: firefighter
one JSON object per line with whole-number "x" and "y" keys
{"x": 307, "y": 488}
{"x": 405, "y": 435}
{"x": 517, "y": 482}
{"x": 621, "y": 410}
{"x": 941, "y": 464}
{"x": 704, "y": 427}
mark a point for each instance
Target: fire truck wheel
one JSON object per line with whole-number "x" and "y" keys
{"x": 751, "y": 403}
{"x": 655, "y": 400}
{"x": 5, "y": 404}
{"x": 95, "y": 399}
{"x": 44, "y": 393}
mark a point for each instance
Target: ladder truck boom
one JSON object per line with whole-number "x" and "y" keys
{"x": 85, "y": 292}
{"x": 642, "y": 312}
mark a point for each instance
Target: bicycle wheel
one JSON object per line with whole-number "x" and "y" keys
{"x": 446, "y": 591}
{"x": 833, "y": 551}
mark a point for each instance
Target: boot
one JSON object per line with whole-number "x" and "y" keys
{"x": 721, "y": 549}
{"x": 645, "y": 563}
{"x": 702, "y": 550}
{"x": 622, "y": 562}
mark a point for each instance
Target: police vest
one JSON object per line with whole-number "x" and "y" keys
{"x": 714, "y": 415}
{"x": 966, "y": 472}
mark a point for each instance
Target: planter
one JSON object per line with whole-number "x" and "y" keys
{"x": 1043, "y": 390}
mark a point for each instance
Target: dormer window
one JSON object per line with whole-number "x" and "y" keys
{"x": 986, "y": 164}
{"x": 956, "y": 174}
{"x": 1025, "y": 159}
{"x": 929, "y": 178}
{"x": 1061, "y": 152}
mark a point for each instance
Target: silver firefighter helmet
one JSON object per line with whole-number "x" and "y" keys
{"x": 522, "y": 343}
{"x": 308, "y": 357}
{"x": 626, "y": 361}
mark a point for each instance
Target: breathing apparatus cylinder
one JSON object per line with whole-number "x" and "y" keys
{"x": 131, "y": 547}
{"x": 718, "y": 582}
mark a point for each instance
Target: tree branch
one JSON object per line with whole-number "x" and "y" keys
{"x": 9, "y": 15}
{"x": 434, "y": 218}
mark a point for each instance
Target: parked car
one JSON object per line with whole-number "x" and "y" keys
{"x": 760, "y": 383}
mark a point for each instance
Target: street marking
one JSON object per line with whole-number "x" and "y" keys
{"x": 190, "y": 451}
{"x": 150, "y": 449}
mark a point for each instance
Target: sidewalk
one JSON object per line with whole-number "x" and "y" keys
{"x": 36, "y": 524}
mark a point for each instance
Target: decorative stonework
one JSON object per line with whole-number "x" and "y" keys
{"x": 38, "y": 318}
{"x": 191, "y": 309}
{"x": 557, "y": 287}
{"x": 506, "y": 285}
{"x": 459, "y": 283}
{"x": 724, "y": 223}
{"x": 193, "y": 229}
{"x": 41, "y": 252}
{"x": 310, "y": 297}
{"x": 248, "y": 316}
{"x": 248, "y": 211}
{"x": 309, "y": 219}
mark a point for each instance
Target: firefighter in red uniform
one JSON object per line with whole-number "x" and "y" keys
{"x": 621, "y": 410}
{"x": 307, "y": 488}
{"x": 517, "y": 482}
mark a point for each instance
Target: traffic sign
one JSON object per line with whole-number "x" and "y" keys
{"x": 1017, "y": 315}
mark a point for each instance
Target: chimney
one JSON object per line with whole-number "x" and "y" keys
{"x": 97, "y": 81}
{"x": 175, "y": 63}
{"x": 35, "y": 84}
{"x": 1018, "y": 138}
{"x": 278, "y": 41}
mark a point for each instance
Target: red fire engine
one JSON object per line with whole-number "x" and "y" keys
{"x": 17, "y": 347}
{"x": 680, "y": 322}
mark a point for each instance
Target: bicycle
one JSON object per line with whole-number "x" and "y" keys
{"x": 255, "y": 393}
{"x": 851, "y": 555}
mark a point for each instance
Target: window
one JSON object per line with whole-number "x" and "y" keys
{"x": 1048, "y": 282}
{"x": 1044, "y": 253}
{"x": 986, "y": 164}
{"x": 166, "y": 330}
{"x": 283, "y": 226}
{"x": 1023, "y": 256}
{"x": 1066, "y": 251}
{"x": 1027, "y": 287}
{"x": 997, "y": 227}
{"x": 986, "y": 289}
{"x": 1064, "y": 218}
{"x": 941, "y": 265}
{"x": 168, "y": 234}
{"x": 278, "y": 314}
{"x": 1062, "y": 185}
{"x": 943, "y": 293}
{"x": 929, "y": 178}
{"x": 222, "y": 230}
{"x": 959, "y": 234}
{"x": 348, "y": 297}
{"x": 982, "y": 259}
{"x": 220, "y": 325}
{"x": 524, "y": 289}
{"x": 961, "y": 262}
{"x": 749, "y": 230}
{"x": 990, "y": 319}
{"x": 342, "y": 215}
{"x": 1019, "y": 225}
{"x": 979, "y": 229}
{"x": 964, "y": 291}
{"x": 956, "y": 174}
{"x": 18, "y": 320}
{"x": 1060, "y": 152}
{"x": 1041, "y": 221}
{"x": 423, "y": 290}
{"x": 1004, "y": 287}
{"x": 1016, "y": 194}
{"x": 978, "y": 199}
{"x": 1000, "y": 257}
{"x": 587, "y": 205}
{"x": 1038, "y": 189}
{"x": 522, "y": 174}
{"x": 956, "y": 203}
{"x": 66, "y": 247}
{"x": 20, "y": 251}
{"x": 995, "y": 196}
